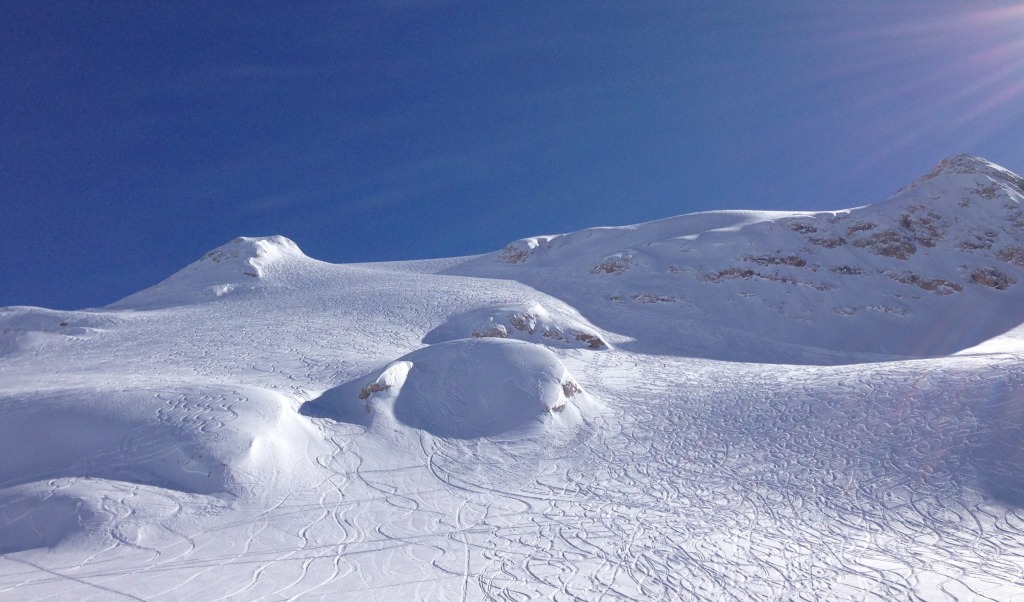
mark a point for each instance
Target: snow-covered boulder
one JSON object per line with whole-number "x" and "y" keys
{"x": 531, "y": 322}
{"x": 465, "y": 389}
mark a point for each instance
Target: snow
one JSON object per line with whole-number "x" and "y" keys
{"x": 236, "y": 266}
{"x": 890, "y": 279}
{"x": 466, "y": 389}
{"x": 752, "y": 405}
{"x": 526, "y": 322}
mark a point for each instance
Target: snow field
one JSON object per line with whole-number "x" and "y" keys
{"x": 263, "y": 425}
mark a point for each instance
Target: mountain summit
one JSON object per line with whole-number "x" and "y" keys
{"x": 969, "y": 165}
{"x": 235, "y": 266}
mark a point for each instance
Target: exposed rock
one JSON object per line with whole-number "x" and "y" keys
{"x": 828, "y": 243}
{"x": 570, "y": 388}
{"x": 861, "y": 227}
{"x": 887, "y": 243}
{"x": 790, "y": 260}
{"x": 513, "y": 254}
{"x": 498, "y": 331}
{"x": 372, "y": 388}
{"x": 939, "y": 286}
{"x": 802, "y": 228}
{"x": 615, "y": 264}
{"x": 650, "y": 298}
{"x": 1014, "y": 255}
{"x": 525, "y": 322}
{"x": 592, "y": 341}
{"x": 730, "y": 273}
{"x": 992, "y": 277}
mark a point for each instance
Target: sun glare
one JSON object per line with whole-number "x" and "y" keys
{"x": 952, "y": 75}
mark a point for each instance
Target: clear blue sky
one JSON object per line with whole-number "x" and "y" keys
{"x": 135, "y": 136}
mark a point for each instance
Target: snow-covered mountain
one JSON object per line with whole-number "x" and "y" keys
{"x": 896, "y": 278}
{"x": 761, "y": 405}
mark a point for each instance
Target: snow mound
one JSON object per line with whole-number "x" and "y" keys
{"x": 189, "y": 438}
{"x": 101, "y": 435}
{"x": 240, "y": 265}
{"x": 464, "y": 389}
{"x": 29, "y": 520}
{"x": 526, "y": 322}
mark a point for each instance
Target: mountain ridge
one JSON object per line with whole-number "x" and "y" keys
{"x": 814, "y": 282}
{"x": 940, "y": 245}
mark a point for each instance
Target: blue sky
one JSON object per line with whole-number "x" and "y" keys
{"x": 135, "y": 136}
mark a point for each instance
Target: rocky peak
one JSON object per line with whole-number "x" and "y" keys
{"x": 974, "y": 173}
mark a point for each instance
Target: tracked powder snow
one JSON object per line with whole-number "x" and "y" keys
{"x": 724, "y": 405}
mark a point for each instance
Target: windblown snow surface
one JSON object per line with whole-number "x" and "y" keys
{"x": 727, "y": 405}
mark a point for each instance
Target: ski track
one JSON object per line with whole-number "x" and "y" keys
{"x": 701, "y": 479}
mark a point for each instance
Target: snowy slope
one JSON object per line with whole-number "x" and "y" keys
{"x": 896, "y": 278}
{"x": 747, "y": 405}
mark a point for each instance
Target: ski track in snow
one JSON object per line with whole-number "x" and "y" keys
{"x": 776, "y": 482}
{"x": 167, "y": 458}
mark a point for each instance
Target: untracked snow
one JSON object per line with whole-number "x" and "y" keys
{"x": 726, "y": 405}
